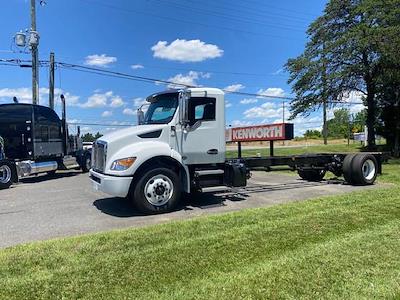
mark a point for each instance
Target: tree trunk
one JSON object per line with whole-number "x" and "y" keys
{"x": 396, "y": 144}
{"x": 371, "y": 114}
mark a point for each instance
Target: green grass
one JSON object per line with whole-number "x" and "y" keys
{"x": 338, "y": 247}
{"x": 296, "y": 150}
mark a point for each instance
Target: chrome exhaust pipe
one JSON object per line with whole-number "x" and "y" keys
{"x": 27, "y": 168}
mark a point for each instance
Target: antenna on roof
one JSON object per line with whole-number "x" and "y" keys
{"x": 15, "y": 100}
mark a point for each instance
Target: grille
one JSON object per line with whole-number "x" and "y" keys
{"x": 99, "y": 154}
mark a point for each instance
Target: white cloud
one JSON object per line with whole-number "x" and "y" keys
{"x": 227, "y": 104}
{"x": 248, "y": 101}
{"x": 129, "y": 112}
{"x": 96, "y": 100}
{"x": 102, "y": 100}
{"x": 137, "y": 66}
{"x": 24, "y": 95}
{"x": 186, "y": 51}
{"x": 240, "y": 123}
{"x": 137, "y": 102}
{"x": 352, "y": 98}
{"x": 106, "y": 114}
{"x": 265, "y": 110}
{"x": 274, "y": 92}
{"x": 189, "y": 79}
{"x": 234, "y": 87}
{"x": 117, "y": 102}
{"x": 101, "y": 60}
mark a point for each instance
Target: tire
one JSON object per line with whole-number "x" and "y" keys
{"x": 86, "y": 163}
{"x": 347, "y": 168}
{"x": 364, "y": 169}
{"x": 157, "y": 191}
{"x": 312, "y": 175}
{"x": 7, "y": 174}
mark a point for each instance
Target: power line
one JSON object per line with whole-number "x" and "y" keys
{"x": 101, "y": 125}
{"x": 265, "y": 13}
{"x": 155, "y": 80}
{"x": 231, "y": 17}
{"x": 121, "y": 75}
{"x": 186, "y": 21}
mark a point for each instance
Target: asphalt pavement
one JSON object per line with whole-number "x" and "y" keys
{"x": 43, "y": 207}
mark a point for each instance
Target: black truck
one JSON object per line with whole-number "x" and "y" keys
{"x": 35, "y": 140}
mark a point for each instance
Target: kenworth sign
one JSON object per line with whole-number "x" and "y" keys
{"x": 269, "y": 132}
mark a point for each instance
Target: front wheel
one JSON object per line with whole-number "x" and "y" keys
{"x": 7, "y": 174}
{"x": 157, "y": 191}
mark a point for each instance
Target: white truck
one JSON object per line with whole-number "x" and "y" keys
{"x": 179, "y": 146}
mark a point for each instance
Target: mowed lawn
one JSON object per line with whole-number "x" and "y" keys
{"x": 341, "y": 247}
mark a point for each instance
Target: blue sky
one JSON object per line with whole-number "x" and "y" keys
{"x": 242, "y": 45}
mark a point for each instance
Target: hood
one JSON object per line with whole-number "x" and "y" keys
{"x": 130, "y": 133}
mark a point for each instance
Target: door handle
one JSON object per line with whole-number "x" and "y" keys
{"x": 212, "y": 151}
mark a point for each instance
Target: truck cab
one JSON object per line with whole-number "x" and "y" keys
{"x": 182, "y": 132}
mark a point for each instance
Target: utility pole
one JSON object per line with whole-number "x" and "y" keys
{"x": 51, "y": 81}
{"x": 35, "y": 57}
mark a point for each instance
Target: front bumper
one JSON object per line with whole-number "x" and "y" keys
{"x": 112, "y": 185}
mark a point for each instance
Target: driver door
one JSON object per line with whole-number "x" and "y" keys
{"x": 200, "y": 142}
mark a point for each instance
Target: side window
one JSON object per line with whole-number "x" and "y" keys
{"x": 201, "y": 109}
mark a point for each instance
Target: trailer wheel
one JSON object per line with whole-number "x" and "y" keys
{"x": 86, "y": 162}
{"x": 347, "y": 168}
{"x": 157, "y": 191}
{"x": 312, "y": 175}
{"x": 364, "y": 169}
{"x": 7, "y": 174}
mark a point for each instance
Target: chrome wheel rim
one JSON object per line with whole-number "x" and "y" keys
{"x": 368, "y": 169}
{"x": 159, "y": 190}
{"x": 88, "y": 163}
{"x": 5, "y": 174}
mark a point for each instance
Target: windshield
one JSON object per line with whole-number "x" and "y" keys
{"x": 161, "y": 109}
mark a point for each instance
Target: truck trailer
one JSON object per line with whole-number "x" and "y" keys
{"x": 36, "y": 140}
{"x": 179, "y": 147}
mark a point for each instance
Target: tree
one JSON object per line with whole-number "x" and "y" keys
{"x": 344, "y": 54}
{"x": 389, "y": 100}
{"x": 312, "y": 134}
{"x": 88, "y": 137}
{"x": 339, "y": 126}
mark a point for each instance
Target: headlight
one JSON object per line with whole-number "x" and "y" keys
{"x": 122, "y": 164}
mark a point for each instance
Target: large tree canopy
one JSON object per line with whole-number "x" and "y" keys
{"x": 349, "y": 48}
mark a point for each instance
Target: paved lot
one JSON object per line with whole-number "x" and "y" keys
{"x": 42, "y": 207}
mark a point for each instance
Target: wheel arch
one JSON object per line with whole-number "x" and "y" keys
{"x": 164, "y": 161}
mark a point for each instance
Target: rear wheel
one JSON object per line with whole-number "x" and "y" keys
{"x": 364, "y": 169}
{"x": 7, "y": 174}
{"x": 312, "y": 175}
{"x": 157, "y": 191}
{"x": 347, "y": 168}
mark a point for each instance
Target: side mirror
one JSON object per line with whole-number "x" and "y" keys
{"x": 184, "y": 97}
{"x": 140, "y": 116}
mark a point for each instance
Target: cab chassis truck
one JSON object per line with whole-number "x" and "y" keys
{"x": 37, "y": 141}
{"x": 179, "y": 147}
